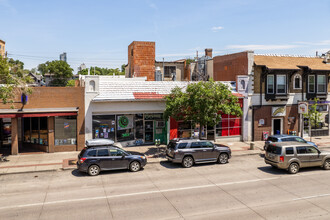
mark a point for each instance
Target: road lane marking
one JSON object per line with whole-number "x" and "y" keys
{"x": 311, "y": 197}
{"x": 135, "y": 194}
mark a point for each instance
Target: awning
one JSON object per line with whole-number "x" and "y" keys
{"x": 37, "y": 112}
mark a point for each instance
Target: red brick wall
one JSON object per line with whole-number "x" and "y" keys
{"x": 142, "y": 61}
{"x": 265, "y": 112}
{"x": 227, "y": 67}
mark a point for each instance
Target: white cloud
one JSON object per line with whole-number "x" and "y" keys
{"x": 320, "y": 43}
{"x": 216, "y": 29}
{"x": 153, "y": 5}
{"x": 262, "y": 47}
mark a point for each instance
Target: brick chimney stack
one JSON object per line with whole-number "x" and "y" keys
{"x": 208, "y": 52}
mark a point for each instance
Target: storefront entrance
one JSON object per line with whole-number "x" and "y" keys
{"x": 277, "y": 126}
{"x": 149, "y": 131}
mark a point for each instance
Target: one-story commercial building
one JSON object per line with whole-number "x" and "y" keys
{"x": 52, "y": 120}
{"x": 130, "y": 111}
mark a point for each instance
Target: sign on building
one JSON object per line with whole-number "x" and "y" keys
{"x": 278, "y": 111}
{"x": 302, "y": 108}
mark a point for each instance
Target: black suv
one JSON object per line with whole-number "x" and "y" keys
{"x": 100, "y": 155}
{"x": 192, "y": 151}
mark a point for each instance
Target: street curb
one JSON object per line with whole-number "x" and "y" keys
{"x": 39, "y": 171}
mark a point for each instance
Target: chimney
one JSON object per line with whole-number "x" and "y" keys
{"x": 208, "y": 52}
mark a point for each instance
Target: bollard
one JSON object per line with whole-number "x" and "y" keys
{"x": 251, "y": 146}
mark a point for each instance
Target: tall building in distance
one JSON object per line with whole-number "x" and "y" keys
{"x": 2, "y": 48}
{"x": 141, "y": 60}
{"x": 63, "y": 57}
{"x": 82, "y": 67}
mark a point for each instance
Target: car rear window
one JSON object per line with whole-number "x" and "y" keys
{"x": 274, "y": 149}
{"x": 272, "y": 139}
{"x": 82, "y": 152}
{"x": 91, "y": 153}
{"x": 182, "y": 145}
{"x": 289, "y": 150}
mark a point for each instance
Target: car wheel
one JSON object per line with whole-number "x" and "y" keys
{"x": 326, "y": 164}
{"x": 187, "y": 162}
{"x": 293, "y": 168}
{"x": 134, "y": 166}
{"x": 223, "y": 158}
{"x": 93, "y": 170}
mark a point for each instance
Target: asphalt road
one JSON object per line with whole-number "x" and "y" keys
{"x": 245, "y": 188}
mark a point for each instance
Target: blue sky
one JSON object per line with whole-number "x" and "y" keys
{"x": 98, "y": 32}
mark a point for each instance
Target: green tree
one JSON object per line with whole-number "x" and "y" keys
{"x": 313, "y": 116}
{"x": 71, "y": 83}
{"x": 202, "y": 103}
{"x": 60, "y": 71}
{"x": 13, "y": 80}
{"x": 101, "y": 71}
{"x": 123, "y": 68}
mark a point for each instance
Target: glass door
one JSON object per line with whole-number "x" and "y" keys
{"x": 149, "y": 131}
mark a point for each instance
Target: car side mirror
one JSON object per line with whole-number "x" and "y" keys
{"x": 123, "y": 157}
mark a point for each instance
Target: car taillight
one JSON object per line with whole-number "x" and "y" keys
{"x": 281, "y": 158}
{"x": 82, "y": 159}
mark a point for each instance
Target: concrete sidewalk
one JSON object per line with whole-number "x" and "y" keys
{"x": 67, "y": 160}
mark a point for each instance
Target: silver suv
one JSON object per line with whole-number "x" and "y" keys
{"x": 190, "y": 151}
{"x": 293, "y": 155}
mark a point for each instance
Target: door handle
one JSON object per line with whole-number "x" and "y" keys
{"x": 204, "y": 150}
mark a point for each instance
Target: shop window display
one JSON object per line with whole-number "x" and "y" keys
{"x": 35, "y": 130}
{"x": 65, "y": 130}
{"x": 104, "y": 126}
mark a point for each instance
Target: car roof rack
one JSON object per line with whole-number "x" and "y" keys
{"x": 99, "y": 142}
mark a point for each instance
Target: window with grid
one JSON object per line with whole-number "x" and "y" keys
{"x": 321, "y": 84}
{"x": 311, "y": 84}
{"x": 270, "y": 84}
{"x": 281, "y": 84}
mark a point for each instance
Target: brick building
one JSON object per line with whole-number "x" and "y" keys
{"x": 2, "y": 48}
{"x": 51, "y": 121}
{"x": 141, "y": 60}
{"x": 279, "y": 84}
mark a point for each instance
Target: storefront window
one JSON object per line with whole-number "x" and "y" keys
{"x": 104, "y": 126}
{"x": 5, "y": 132}
{"x": 65, "y": 130}
{"x": 125, "y": 131}
{"x": 43, "y": 133}
{"x": 35, "y": 130}
{"x": 142, "y": 128}
{"x": 27, "y": 130}
{"x": 229, "y": 125}
{"x": 184, "y": 129}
